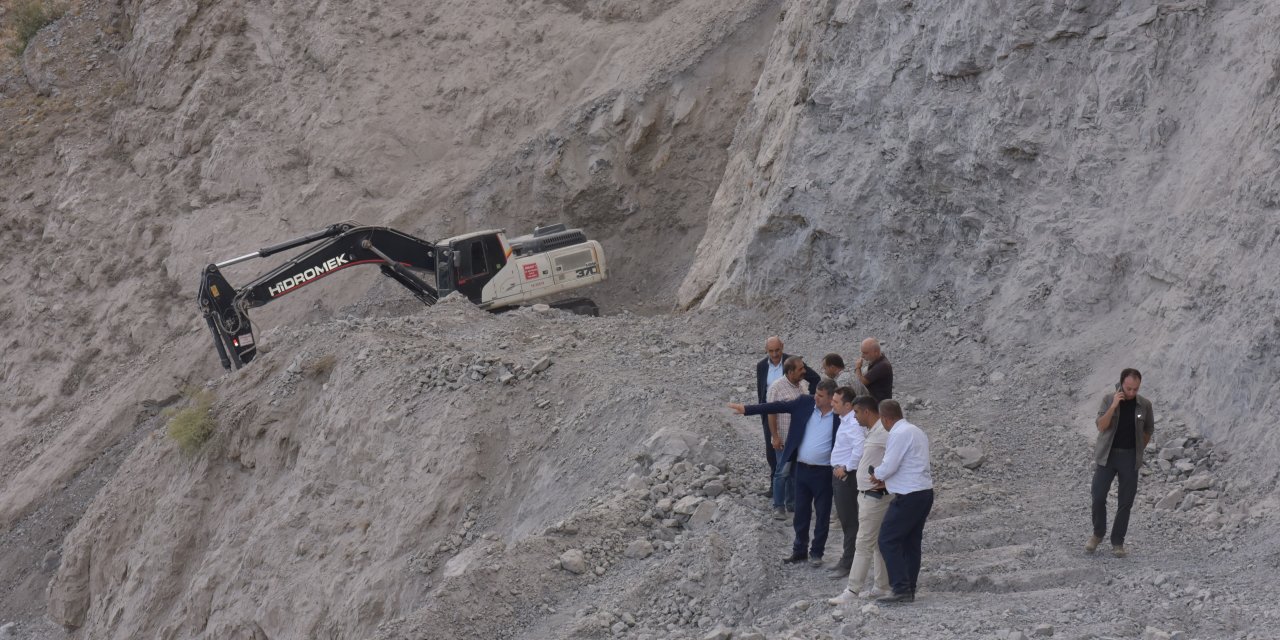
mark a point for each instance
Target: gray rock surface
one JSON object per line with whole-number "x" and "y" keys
{"x": 1018, "y": 199}
{"x": 1172, "y": 499}
{"x": 688, "y": 505}
{"x": 703, "y": 515}
{"x": 639, "y": 549}
{"x": 970, "y": 457}
{"x": 573, "y": 561}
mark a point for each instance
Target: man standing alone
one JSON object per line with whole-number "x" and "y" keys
{"x": 1125, "y": 424}
{"x": 906, "y": 474}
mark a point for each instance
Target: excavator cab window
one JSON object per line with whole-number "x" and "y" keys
{"x": 480, "y": 259}
{"x": 478, "y": 266}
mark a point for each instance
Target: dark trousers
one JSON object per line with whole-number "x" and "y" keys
{"x": 1123, "y": 463}
{"x": 813, "y": 499}
{"x": 845, "y": 495}
{"x": 901, "y": 536}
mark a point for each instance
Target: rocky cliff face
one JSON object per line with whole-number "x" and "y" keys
{"x": 1020, "y": 198}
{"x": 1093, "y": 180}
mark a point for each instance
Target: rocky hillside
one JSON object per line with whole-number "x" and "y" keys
{"x": 1019, "y": 199}
{"x": 1092, "y": 181}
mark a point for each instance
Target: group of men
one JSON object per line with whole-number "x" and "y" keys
{"x": 841, "y": 439}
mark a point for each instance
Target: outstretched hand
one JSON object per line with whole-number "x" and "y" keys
{"x": 740, "y": 409}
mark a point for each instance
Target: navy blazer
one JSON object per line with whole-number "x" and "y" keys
{"x": 801, "y": 409}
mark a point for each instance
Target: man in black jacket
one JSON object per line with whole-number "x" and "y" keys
{"x": 878, "y": 378}
{"x": 813, "y": 432}
{"x": 768, "y": 371}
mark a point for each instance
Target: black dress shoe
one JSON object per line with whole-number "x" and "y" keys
{"x": 795, "y": 557}
{"x": 896, "y": 598}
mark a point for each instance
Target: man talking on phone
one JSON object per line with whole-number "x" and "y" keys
{"x": 1125, "y": 424}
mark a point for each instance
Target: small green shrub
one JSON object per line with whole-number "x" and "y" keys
{"x": 192, "y": 425}
{"x": 29, "y": 17}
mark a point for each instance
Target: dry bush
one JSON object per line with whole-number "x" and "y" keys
{"x": 320, "y": 367}
{"x": 28, "y": 18}
{"x": 193, "y": 424}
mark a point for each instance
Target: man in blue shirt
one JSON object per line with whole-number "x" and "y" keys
{"x": 813, "y": 432}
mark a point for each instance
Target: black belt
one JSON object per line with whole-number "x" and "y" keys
{"x": 876, "y": 493}
{"x": 813, "y": 466}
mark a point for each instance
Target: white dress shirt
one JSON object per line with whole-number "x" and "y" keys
{"x": 815, "y": 449}
{"x": 848, "y": 447}
{"x": 872, "y": 454}
{"x": 905, "y": 468}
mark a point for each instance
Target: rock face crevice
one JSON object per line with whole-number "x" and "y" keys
{"x": 1071, "y": 170}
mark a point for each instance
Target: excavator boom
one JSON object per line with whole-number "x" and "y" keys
{"x": 225, "y": 308}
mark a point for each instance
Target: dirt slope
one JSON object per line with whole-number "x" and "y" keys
{"x": 1019, "y": 200}
{"x": 374, "y": 477}
{"x": 145, "y": 139}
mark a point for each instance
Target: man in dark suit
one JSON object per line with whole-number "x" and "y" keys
{"x": 768, "y": 371}
{"x": 809, "y": 442}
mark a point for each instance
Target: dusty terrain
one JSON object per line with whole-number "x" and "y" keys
{"x": 1018, "y": 200}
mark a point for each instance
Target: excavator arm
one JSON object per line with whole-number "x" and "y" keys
{"x": 225, "y": 308}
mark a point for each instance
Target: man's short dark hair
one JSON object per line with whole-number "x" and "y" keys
{"x": 891, "y": 409}
{"x": 867, "y": 403}
{"x": 847, "y": 394}
{"x": 833, "y": 360}
{"x": 1130, "y": 373}
{"x": 792, "y": 363}
{"x": 827, "y": 385}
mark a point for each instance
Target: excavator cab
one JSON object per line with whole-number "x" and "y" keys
{"x": 477, "y": 258}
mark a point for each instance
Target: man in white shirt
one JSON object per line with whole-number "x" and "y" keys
{"x": 844, "y": 489}
{"x": 873, "y": 502}
{"x": 784, "y": 389}
{"x": 905, "y": 473}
